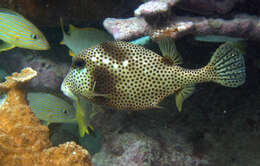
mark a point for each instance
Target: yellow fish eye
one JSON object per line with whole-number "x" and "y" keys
{"x": 65, "y": 111}
{"x": 34, "y": 36}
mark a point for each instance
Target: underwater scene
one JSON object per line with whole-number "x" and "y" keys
{"x": 129, "y": 83}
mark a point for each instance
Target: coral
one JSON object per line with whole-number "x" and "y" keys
{"x": 23, "y": 140}
{"x": 161, "y": 19}
{"x": 152, "y": 7}
{"x": 125, "y": 28}
{"x": 65, "y": 132}
{"x": 67, "y": 154}
{"x": 244, "y": 26}
{"x": 50, "y": 71}
{"x": 142, "y": 139}
{"x": 175, "y": 30}
{"x": 197, "y": 6}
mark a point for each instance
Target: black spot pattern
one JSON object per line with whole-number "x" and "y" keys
{"x": 130, "y": 77}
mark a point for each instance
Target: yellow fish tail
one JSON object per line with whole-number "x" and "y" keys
{"x": 227, "y": 66}
{"x": 61, "y": 24}
{"x": 62, "y": 29}
{"x": 6, "y": 46}
{"x": 80, "y": 116}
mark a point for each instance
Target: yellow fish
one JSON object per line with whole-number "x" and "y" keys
{"x": 17, "y": 31}
{"x": 82, "y": 38}
{"x": 125, "y": 76}
{"x": 51, "y": 108}
{"x": 54, "y": 109}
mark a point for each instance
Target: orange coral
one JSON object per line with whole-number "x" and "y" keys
{"x": 23, "y": 140}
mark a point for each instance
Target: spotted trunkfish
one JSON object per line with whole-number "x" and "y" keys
{"x": 125, "y": 76}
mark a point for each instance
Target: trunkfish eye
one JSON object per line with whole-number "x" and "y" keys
{"x": 79, "y": 63}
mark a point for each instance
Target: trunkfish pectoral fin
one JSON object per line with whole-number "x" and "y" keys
{"x": 158, "y": 107}
{"x": 183, "y": 94}
{"x": 92, "y": 92}
{"x": 100, "y": 95}
{"x": 169, "y": 50}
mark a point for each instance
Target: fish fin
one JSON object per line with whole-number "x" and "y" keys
{"x": 62, "y": 25}
{"x": 45, "y": 123}
{"x": 92, "y": 93}
{"x": 141, "y": 41}
{"x": 97, "y": 108}
{"x": 73, "y": 120}
{"x": 217, "y": 38}
{"x": 4, "y": 10}
{"x": 72, "y": 28}
{"x": 80, "y": 116}
{"x": 158, "y": 107}
{"x": 227, "y": 66}
{"x": 169, "y": 50}
{"x": 63, "y": 31}
{"x": 183, "y": 94}
{"x": 241, "y": 45}
{"x": 100, "y": 95}
{"x": 92, "y": 114}
{"x": 6, "y": 46}
{"x": 71, "y": 53}
{"x": 94, "y": 110}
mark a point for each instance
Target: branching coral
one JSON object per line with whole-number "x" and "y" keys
{"x": 125, "y": 28}
{"x": 23, "y": 140}
{"x": 244, "y": 26}
{"x": 161, "y": 20}
{"x": 197, "y": 6}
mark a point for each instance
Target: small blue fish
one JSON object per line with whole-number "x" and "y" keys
{"x": 141, "y": 41}
{"x": 17, "y": 31}
{"x": 53, "y": 109}
{"x": 217, "y": 38}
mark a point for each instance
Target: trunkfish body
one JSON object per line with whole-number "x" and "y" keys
{"x": 125, "y": 76}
